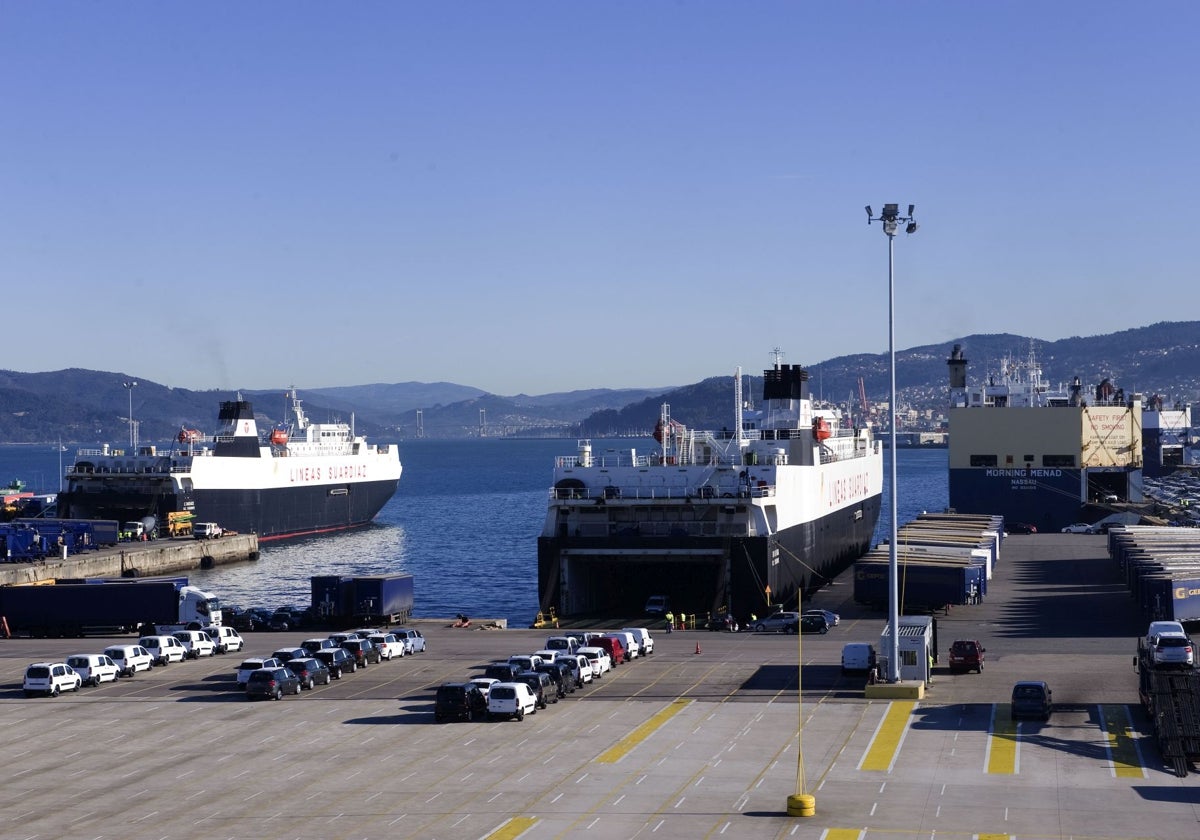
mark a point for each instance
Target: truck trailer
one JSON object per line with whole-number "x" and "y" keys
{"x": 372, "y": 599}
{"x": 125, "y": 606}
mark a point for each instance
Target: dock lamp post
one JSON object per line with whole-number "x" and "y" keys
{"x": 129, "y": 386}
{"x": 891, "y": 219}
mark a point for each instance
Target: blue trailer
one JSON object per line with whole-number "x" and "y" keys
{"x": 370, "y": 599}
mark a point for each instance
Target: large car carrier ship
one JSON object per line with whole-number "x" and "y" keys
{"x": 306, "y": 478}
{"x": 1043, "y": 455}
{"x": 734, "y": 520}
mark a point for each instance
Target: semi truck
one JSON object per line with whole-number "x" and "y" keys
{"x": 133, "y": 605}
{"x": 374, "y": 599}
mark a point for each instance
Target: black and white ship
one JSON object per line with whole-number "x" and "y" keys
{"x": 296, "y": 479}
{"x": 728, "y": 520}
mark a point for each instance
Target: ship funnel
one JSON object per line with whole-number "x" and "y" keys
{"x": 958, "y": 367}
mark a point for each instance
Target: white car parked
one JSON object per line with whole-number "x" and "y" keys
{"x": 164, "y": 649}
{"x": 249, "y": 666}
{"x": 1079, "y": 528}
{"x": 484, "y": 684}
{"x": 130, "y": 658}
{"x": 601, "y": 661}
{"x": 226, "y": 639}
{"x": 196, "y": 643}
{"x": 388, "y": 645}
{"x": 50, "y": 678}
{"x": 586, "y": 671}
{"x": 94, "y": 668}
{"x": 511, "y": 699}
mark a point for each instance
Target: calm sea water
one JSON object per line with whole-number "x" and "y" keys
{"x": 464, "y": 522}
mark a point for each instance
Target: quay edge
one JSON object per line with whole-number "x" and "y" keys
{"x": 136, "y": 559}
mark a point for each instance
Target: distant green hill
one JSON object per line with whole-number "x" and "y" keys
{"x": 86, "y": 406}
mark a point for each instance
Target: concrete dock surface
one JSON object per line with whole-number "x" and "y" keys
{"x": 685, "y": 744}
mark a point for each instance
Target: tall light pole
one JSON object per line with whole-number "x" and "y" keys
{"x": 129, "y": 386}
{"x": 891, "y": 218}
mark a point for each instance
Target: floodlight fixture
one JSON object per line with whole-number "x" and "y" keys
{"x": 912, "y": 227}
{"x": 869, "y": 214}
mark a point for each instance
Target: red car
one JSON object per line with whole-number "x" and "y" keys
{"x": 966, "y": 655}
{"x": 614, "y": 648}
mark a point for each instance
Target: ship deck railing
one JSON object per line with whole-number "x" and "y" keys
{"x": 660, "y": 529}
{"x": 612, "y": 493}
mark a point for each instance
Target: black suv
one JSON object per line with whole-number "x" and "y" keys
{"x": 338, "y": 660}
{"x": 362, "y": 650}
{"x": 503, "y": 671}
{"x": 309, "y": 670}
{"x": 459, "y": 700}
{"x": 807, "y": 624}
{"x": 271, "y": 683}
{"x": 543, "y": 688}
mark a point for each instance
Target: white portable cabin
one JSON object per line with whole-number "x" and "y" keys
{"x": 918, "y": 646}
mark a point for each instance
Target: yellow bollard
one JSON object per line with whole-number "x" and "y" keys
{"x": 801, "y": 805}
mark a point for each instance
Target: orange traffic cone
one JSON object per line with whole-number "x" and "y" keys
{"x": 697, "y": 647}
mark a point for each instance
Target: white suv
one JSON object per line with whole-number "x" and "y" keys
{"x": 94, "y": 668}
{"x": 196, "y": 643}
{"x": 511, "y": 699}
{"x": 1171, "y": 649}
{"x": 389, "y": 646}
{"x": 50, "y": 678}
{"x": 164, "y": 649}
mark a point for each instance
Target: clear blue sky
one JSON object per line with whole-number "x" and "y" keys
{"x": 542, "y": 196}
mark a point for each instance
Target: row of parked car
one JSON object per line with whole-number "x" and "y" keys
{"x": 125, "y": 660}
{"x": 347, "y": 653}
{"x": 319, "y": 660}
{"x": 524, "y": 683}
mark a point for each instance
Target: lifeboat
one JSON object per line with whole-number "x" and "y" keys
{"x": 190, "y": 436}
{"x": 821, "y": 430}
{"x": 673, "y": 427}
{"x": 279, "y": 437}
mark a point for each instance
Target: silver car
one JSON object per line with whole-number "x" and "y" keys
{"x": 776, "y": 622}
{"x": 1173, "y": 649}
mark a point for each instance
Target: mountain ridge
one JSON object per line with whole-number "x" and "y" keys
{"x": 84, "y": 406}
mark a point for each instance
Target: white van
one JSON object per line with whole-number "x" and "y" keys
{"x": 858, "y": 657}
{"x": 164, "y": 649}
{"x": 94, "y": 668}
{"x": 642, "y": 635}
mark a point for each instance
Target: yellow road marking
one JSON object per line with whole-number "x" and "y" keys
{"x": 512, "y": 829}
{"x": 619, "y": 750}
{"x": 1004, "y": 744}
{"x": 1122, "y": 748}
{"x": 842, "y": 834}
{"x": 993, "y": 837}
{"x": 881, "y": 752}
